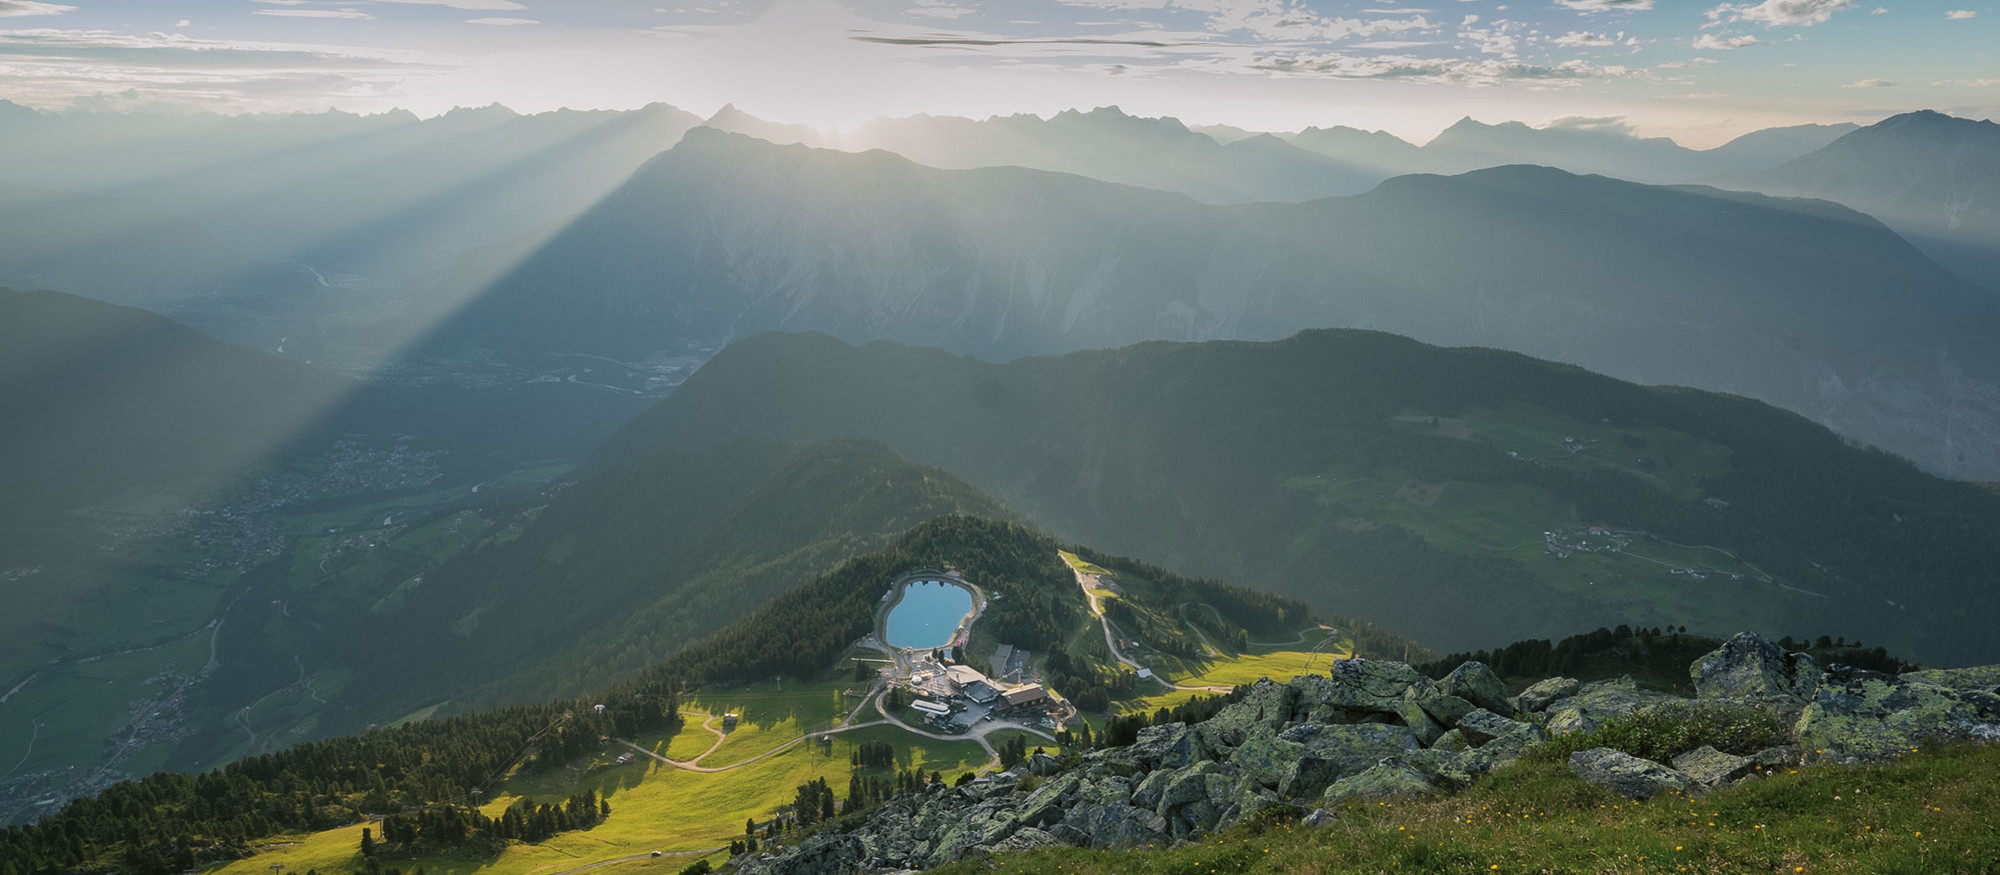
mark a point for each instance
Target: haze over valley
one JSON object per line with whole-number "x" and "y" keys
{"x": 477, "y": 436}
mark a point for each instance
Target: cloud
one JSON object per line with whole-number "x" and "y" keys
{"x": 940, "y": 9}
{"x": 1592, "y": 7}
{"x": 1872, "y": 83}
{"x": 1966, "y": 83}
{"x": 1438, "y": 70}
{"x": 1961, "y": 14}
{"x": 54, "y": 68}
{"x": 15, "y": 8}
{"x": 474, "y": 5}
{"x": 502, "y": 22}
{"x": 1614, "y": 124}
{"x": 315, "y": 13}
{"x": 1709, "y": 41}
{"x": 1577, "y": 38}
{"x": 1778, "y": 13}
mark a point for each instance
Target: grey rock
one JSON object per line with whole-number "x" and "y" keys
{"x": 1266, "y": 758}
{"x": 1026, "y": 840}
{"x": 1712, "y": 768}
{"x": 1627, "y": 775}
{"x": 1266, "y": 706}
{"x": 1356, "y": 688}
{"x": 1979, "y": 679}
{"x": 1043, "y": 765}
{"x": 1482, "y": 726}
{"x": 1475, "y": 683}
{"x": 1750, "y": 669}
{"x": 1452, "y": 742}
{"x": 1318, "y": 817}
{"x": 1867, "y": 715}
{"x": 1542, "y": 694}
{"x": 1421, "y": 723}
{"x": 1353, "y": 747}
{"x": 1600, "y": 701}
{"x": 1442, "y": 707}
{"x": 1309, "y": 777}
{"x": 1389, "y": 778}
{"x": 1153, "y": 788}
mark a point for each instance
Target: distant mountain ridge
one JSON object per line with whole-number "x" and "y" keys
{"x": 1799, "y": 303}
{"x": 1933, "y": 177}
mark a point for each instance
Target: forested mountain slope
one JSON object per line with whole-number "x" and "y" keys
{"x": 1449, "y": 494}
{"x": 1802, "y": 304}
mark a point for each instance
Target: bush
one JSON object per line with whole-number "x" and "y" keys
{"x": 699, "y": 867}
{"x": 1664, "y": 732}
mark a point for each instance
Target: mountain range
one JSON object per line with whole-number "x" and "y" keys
{"x": 1800, "y": 303}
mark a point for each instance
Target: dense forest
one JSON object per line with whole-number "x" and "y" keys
{"x": 428, "y": 774}
{"x": 1654, "y": 657}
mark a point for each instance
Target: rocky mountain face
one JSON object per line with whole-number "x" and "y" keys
{"x": 1932, "y": 177}
{"x": 1375, "y": 729}
{"x": 1801, "y": 304}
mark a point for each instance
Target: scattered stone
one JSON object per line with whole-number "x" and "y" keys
{"x": 1983, "y": 679}
{"x": 1482, "y": 726}
{"x": 1865, "y": 715}
{"x": 1387, "y": 779}
{"x": 1712, "y": 768}
{"x": 1597, "y": 702}
{"x": 1452, "y": 742}
{"x": 1475, "y": 683}
{"x": 1542, "y": 694}
{"x": 1627, "y": 775}
{"x": 1752, "y": 669}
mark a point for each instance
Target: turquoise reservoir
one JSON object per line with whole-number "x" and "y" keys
{"x": 927, "y": 615}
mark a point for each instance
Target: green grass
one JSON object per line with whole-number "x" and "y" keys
{"x": 1926, "y": 813}
{"x": 1279, "y": 665}
{"x": 654, "y": 807}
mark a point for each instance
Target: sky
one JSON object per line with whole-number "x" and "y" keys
{"x": 1700, "y": 72}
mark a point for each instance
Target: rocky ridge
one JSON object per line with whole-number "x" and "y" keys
{"x": 1372, "y": 729}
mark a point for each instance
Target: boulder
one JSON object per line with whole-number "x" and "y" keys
{"x": 1110, "y": 826}
{"x": 1354, "y": 689}
{"x": 1750, "y": 669}
{"x": 1501, "y": 749}
{"x": 1980, "y": 679}
{"x": 1352, "y": 748}
{"x": 1025, "y": 840}
{"x": 1149, "y": 792}
{"x": 1043, "y": 765}
{"x": 1627, "y": 775}
{"x": 1452, "y": 742}
{"x": 1433, "y": 701}
{"x": 1475, "y": 683}
{"x": 1542, "y": 694}
{"x": 1266, "y": 759}
{"x": 1390, "y": 778}
{"x": 1309, "y": 777}
{"x": 1865, "y": 715}
{"x": 1266, "y": 706}
{"x": 1155, "y": 741}
{"x": 1712, "y": 768}
{"x": 1421, "y": 723}
{"x": 1599, "y": 701}
{"x": 1318, "y": 817}
{"x": 1482, "y": 726}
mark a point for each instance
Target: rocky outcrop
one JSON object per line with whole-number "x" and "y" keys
{"x": 1372, "y": 729}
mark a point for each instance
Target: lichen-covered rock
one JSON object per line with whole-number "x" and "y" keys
{"x": 1627, "y": 775}
{"x": 1390, "y": 778}
{"x": 1499, "y": 750}
{"x": 1979, "y": 679}
{"x": 1309, "y": 777}
{"x": 1266, "y": 706}
{"x": 1044, "y": 806}
{"x": 1542, "y": 694}
{"x": 1042, "y": 765}
{"x": 1475, "y": 683}
{"x": 1356, "y": 688}
{"x": 1865, "y": 715}
{"x": 1599, "y": 701}
{"x": 1025, "y": 840}
{"x": 1149, "y": 792}
{"x": 1712, "y": 768}
{"x": 1111, "y": 826}
{"x": 1750, "y": 669}
{"x": 1442, "y": 707}
{"x": 1421, "y": 723}
{"x": 1482, "y": 726}
{"x": 1154, "y": 742}
{"x": 1353, "y": 747}
{"x": 1452, "y": 742}
{"x": 820, "y": 854}
{"x": 1266, "y": 759}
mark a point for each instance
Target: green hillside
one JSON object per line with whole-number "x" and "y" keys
{"x": 1446, "y": 493}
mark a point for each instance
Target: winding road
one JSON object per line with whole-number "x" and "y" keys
{"x": 1085, "y": 580}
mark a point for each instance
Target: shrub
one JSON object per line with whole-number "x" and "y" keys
{"x": 1663, "y": 732}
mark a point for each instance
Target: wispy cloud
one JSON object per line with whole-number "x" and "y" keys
{"x": 1711, "y": 42}
{"x": 1960, "y": 14}
{"x": 1590, "y": 7}
{"x": 473, "y": 5}
{"x": 502, "y": 22}
{"x": 1872, "y": 83}
{"x": 1779, "y": 13}
{"x": 14, "y": 8}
